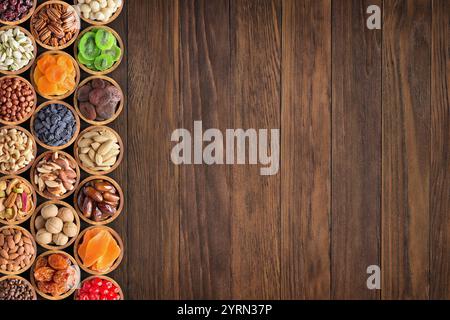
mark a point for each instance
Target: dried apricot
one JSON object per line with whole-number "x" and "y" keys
{"x": 46, "y": 87}
{"x": 44, "y": 274}
{"x": 55, "y": 74}
{"x": 45, "y": 61}
{"x": 58, "y": 261}
{"x": 66, "y": 63}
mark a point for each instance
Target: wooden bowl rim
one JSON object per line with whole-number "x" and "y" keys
{"x": 33, "y": 168}
{"x": 25, "y": 18}
{"x": 77, "y": 76}
{"x": 17, "y": 277}
{"x": 35, "y": 52}
{"x": 33, "y": 258}
{"x": 118, "y": 111}
{"x": 99, "y": 24}
{"x": 77, "y": 120}
{"x": 33, "y": 195}
{"x": 103, "y": 277}
{"x": 116, "y": 263}
{"x": 69, "y": 292}
{"x": 114, "y": 66}
{"x": 119, "y": 209}
{"x": 38, "y": 211}
{"x": 119, "y": 159}
{"x": 28, "y": 166}
{"x": 75, "y": 35}
{"x": 30, "y": 114}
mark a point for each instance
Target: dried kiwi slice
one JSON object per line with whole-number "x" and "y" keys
{"x": 88, "y": 48}
{"x": 115, "y": 52}
{"x": 103, "y": 62}
{"x": 104, "y": 39}
{"x": 83, "y": 60}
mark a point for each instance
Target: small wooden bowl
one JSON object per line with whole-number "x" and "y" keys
{"x": 31, "y": 62}
{"x": 66, "y": 45}
{"x": 122, "y": 297}
{"x": 93, "y": 172}
{"x": 16, "y": 123}
{"x": 38, "y": 212}
{"x": 119, "y": 108}
{"x": 26, "y": 282}
{"x": 33, "y": 195}
{"x": 102, "y": 23}
{"x": 42, "y": 194}
{"x": 30, "y": 136}
{"x": 25, "y": 18}
{"x": 119, "y": 43}
{"x": 119, "y": 209}
{"x": 75, "y": 115}
{"x": 77, "y": 77}
{"x": 116, "y": 263}
{"x": 68, "y": 293}
{"x": 24, "y": 231}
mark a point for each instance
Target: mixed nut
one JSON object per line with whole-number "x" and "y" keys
{"x": 16, "y": 200}
{"x": 98, "y": 149}
{"x": 55, "y": 175}
{"x": 14, "y": 10}
{"x": 98, "y": 10}
{"x": 17, "y": 149}
{"x": 16, "y": 289}
{"x": 17, "y": 99}
{"x": 16, "y": 49}
{"x": 17, "y": 251}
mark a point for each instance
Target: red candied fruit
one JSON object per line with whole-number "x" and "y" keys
{"x": 98, "y": 289}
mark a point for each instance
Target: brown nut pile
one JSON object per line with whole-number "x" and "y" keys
{"x": 16, "y": 289}
{"x": 17, "y": 100}
{"x": 16, "y": 249}
{"x": 55, "y": 175}
{"x": 55, "y": 24}
{"x": 98, "y": 200}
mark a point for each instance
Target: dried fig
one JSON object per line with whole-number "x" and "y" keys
{"x": 98, "y": 83}
{"x": 106, "y": 111}
{"x": 83, "y": 93}
{"x": 99, "y": 97}
{"x": 88, "y": 110}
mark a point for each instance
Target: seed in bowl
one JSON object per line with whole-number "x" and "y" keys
{"x": 98, "y": 200}
{"x": 16, "y": 200}
{"x": 15, "y": 289}
{"x": 16, "y": 150}
{"x": 98, "y": 149}
{"x": 14, "y": 10}
{"x": 55, "y": 175}
{"x": 17, "y": 99}
{"x": 55, "y": 125}
{"x": 55, "y": 226}
{"x": 16, "y": 49}
{"x": 98, "y": 10}
{"x": 16, "y": 249}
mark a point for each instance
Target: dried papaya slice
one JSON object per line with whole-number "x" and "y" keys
{"x": 96, "y": 248}
{"x": 105, "y": 262}
{"x": 55, "y": 73}
{"x": 45, "y": 61}
{"x": 87, "y": 237}
{"x": 46, "y": 87}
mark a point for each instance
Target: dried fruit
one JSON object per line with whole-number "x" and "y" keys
{"x": 58, "y": 261}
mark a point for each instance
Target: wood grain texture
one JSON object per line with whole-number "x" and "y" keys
{"x": 255, "y": 221}
{"x": 440, "y": 152}
{"x": 153, "y": 208}
{"x": 406, "y": 149}
{"x": 205, "y": 248}
{"x": 356, "y": 150}
{"x": 306, "y": 150}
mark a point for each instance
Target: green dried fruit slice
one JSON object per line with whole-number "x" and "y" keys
{"x": 104, "y": 39}
{"x": 88, "y": 48}
{"x": 115, "y": 52}
{"x": 103, "y": 62}
{"x": 83, "y": 60}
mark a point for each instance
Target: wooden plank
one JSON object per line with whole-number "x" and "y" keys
{"x": 255, "y": 61}
{"x": 153, "y": 197}
{"x": 356, "y": 147}
{"x": 205, "y": 248}
{"x": 406, "y": 149}
{"x": 306, "y": 150}
{"x": 440, "y": 152}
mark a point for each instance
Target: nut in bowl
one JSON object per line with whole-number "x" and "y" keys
{"x": 17, "y": 250}
{"x": 18, "y": 150}
{"x": 17, "y": 100}
{"x": 17, "y": 11}
{"x": 55, "y": 175}
{"x": 98, "y": 12}
{"x": 55, "y": 275}
{"x": 55, "y": 225}
{"x": 17, "y": 200}
{"x": 17, "y": 50}
{"x": 15, "y": 288}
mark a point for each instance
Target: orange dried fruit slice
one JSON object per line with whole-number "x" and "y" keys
{"x": 55, "y": 73}
{"x": 46, "y": 87}
{"x": 66, "y": 63}
{"x": 87, "y": 237}
{"x": 96, "y": 248}
{"x": 105, "y": 262}
{"x": 68, "y": 84}
{"x": 45, "y": 61}
{"x": 37, "y": 75}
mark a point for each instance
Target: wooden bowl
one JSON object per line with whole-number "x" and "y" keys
{"x": 25, "y": 18}
{"x": 102, "y": 23}
{"x": 93, "y": 172}
{"x": 66, "y": 45}
{"x": 16, "y": 123}
{"x": 31, "y": 62}
{"x": 119, "y": 43}
{"x": 122, "y": 297}
{"x": 42, "y": 194}
{"x": 75, "y": 135}
{"x": 26, "y": 282}
{"x": 119, "y": 108}
{"x": 38, "y": 212}
{"x": 119, "y": 209}
{"x": 77, "y": 77}
{"x": 116, "y": 263}
{"x": 34, "y": 246}
{"x": 30, "y": 136}
{"x": 68, "y": 293}
{"x": 33, "y": 195}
